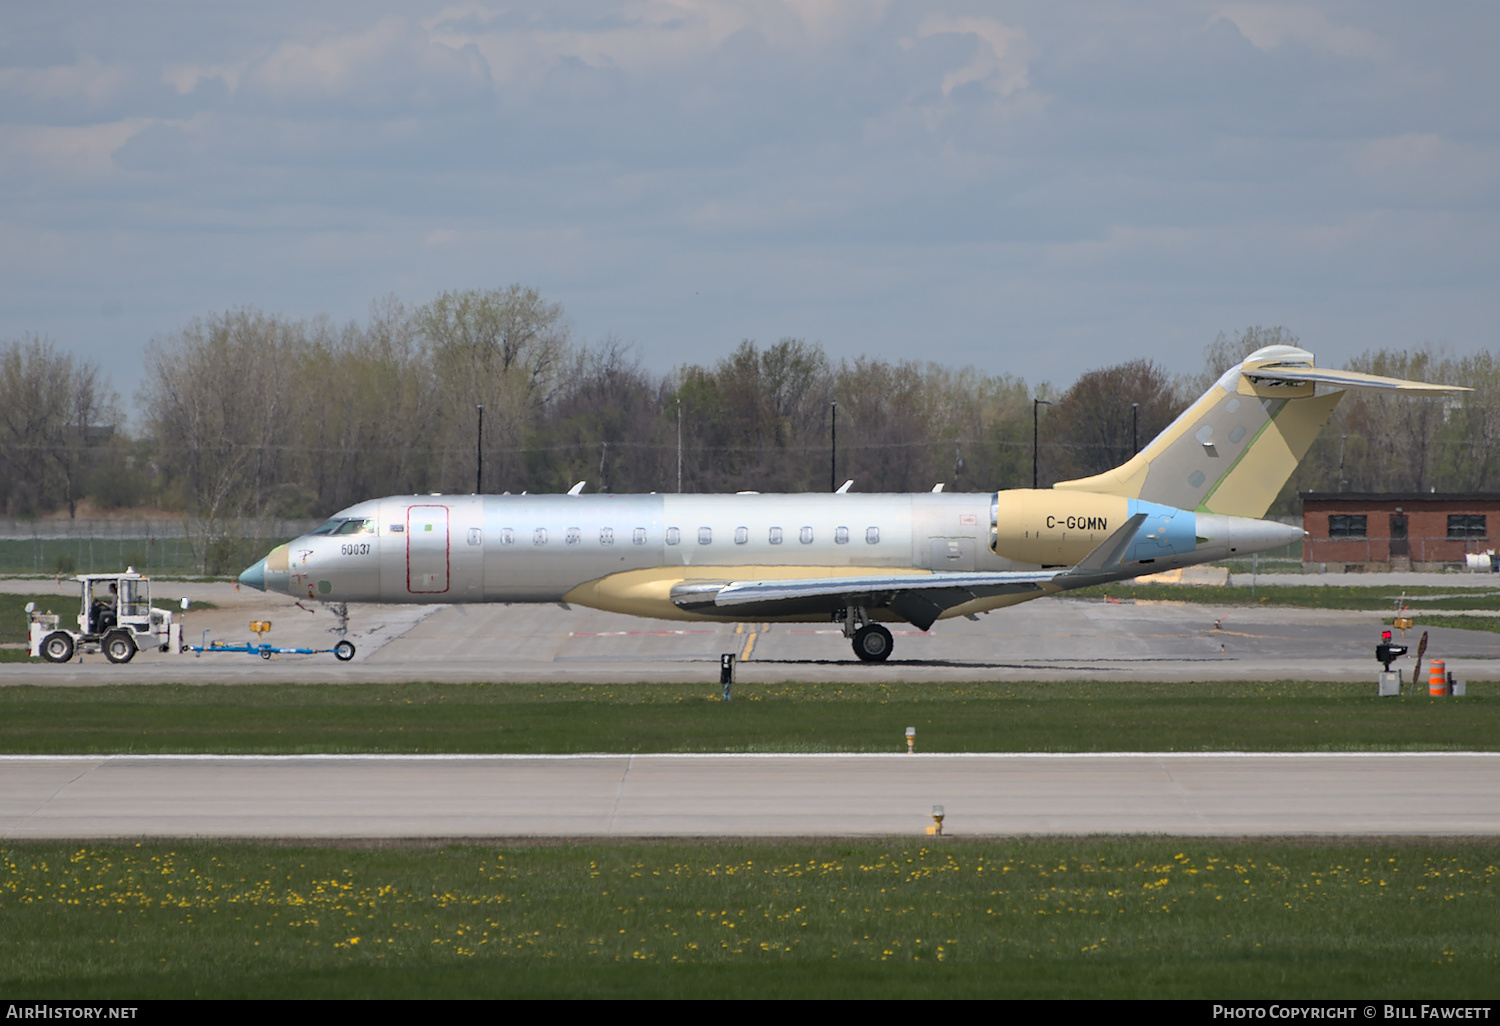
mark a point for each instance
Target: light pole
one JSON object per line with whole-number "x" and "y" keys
{"x": 833, "y": 446}
{"x": 1036, "y": 404}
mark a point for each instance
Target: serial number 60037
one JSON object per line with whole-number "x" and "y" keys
{"x": 357, "y": 549}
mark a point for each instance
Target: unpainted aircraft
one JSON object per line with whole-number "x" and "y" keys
{"x": 1193, "y": 495}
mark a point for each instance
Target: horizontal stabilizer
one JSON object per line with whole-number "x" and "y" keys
{"x": 1350, "y": 379}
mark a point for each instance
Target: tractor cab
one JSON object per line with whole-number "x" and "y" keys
{"x": 115, "y": 616}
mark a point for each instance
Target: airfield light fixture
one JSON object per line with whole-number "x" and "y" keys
{"x": 911, "y": 740}
{"x": 936, "y": 830}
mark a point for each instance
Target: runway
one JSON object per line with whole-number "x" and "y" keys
{"x": 1202, "y": 794}
{"x": 1049, "y": 639}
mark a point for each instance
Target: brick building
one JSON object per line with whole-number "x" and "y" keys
{"x": 1397, "y": 530}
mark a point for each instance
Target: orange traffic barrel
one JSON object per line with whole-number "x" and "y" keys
{"x": 1437, "y": 679}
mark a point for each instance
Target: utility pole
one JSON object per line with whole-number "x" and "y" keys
{"x": 479, "y": 453}
{"x": 1135, "y": 423}
{"x": 679, "y": 445}
{"x": 833, "y": 446}
{"x": 1036, "y": 404}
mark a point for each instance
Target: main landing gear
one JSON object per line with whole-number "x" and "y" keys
{"x": 872, "y": 642}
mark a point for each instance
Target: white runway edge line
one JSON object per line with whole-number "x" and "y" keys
{"x": 472, "y": 757}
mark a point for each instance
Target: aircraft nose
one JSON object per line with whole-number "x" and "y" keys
{"x": 271, "y": 573}
{"x": 255, "y": 577}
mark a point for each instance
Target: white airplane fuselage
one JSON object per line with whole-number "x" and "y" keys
{"x": 627, "y": 553}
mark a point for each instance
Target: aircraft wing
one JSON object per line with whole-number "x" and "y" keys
{"x": 1351, "y": 379}
{"x": 920, "y": 598}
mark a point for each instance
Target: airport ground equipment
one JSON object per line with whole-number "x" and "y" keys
{"x": 115, "y": 616}
{"x": 343, "y": 651}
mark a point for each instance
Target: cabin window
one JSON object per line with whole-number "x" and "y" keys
{"x": 741, "y": 535}
{"x": 640, "y": 536}
{"x": 775, "y": 536}
{"x": 539, "y": 536}
{"x": 1347, "y": 525}
{"x": 574, "y": 536}
{"x": 872, "y": 536}
{"x": 673, "y": 536}
{"x": 507, "y": 536}
{"x": 606, "y": 536}
{"x": 476, "y": 536}
{"x": 1467, "y": 525}
{"x": 705, "y": 536}
{"x": 841, "y": 536}
{"x": 806, "y": 536}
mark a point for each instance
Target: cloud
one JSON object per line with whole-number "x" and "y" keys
{"x": 1268, "y": 26}
{"x": 999, "y": 61}
{"x": 390, "y": 68}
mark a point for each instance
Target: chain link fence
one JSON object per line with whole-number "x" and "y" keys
{"x": 179, "y": 545}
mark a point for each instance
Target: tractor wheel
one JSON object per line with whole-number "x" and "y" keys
{"x": 119, "y": 647}
{"x": 57, "y": 647}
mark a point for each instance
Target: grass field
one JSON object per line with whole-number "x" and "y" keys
{"x": 1307, "y": 596}
{"x": 530, "y": 718}
{"x": 867, "y": 918}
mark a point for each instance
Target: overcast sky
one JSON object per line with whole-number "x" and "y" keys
{"x": 1034, "y": 188}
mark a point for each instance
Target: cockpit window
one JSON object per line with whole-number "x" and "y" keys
{"x": 357, "y": 527}
{"x": 331, "y": 527}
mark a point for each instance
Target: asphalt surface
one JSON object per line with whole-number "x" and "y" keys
{"x": 1048, "y": 639}
{"x": 774, "y": 795}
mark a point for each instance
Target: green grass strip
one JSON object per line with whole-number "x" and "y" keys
{"x": 1304, "y": 596}
{"x": 1028, "y": 918}
{"x": 566, "y": 718}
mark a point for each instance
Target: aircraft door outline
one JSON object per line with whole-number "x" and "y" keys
{"x": 427, "y": 554}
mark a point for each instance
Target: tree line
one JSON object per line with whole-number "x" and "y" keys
{"x": 253, "y": 414}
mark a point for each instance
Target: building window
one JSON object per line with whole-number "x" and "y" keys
{"x": 1467, "y": 525}
{"x": 673, "y": 536}
{"x": 705, "y": 536}
{"x": 1347, "y": 525}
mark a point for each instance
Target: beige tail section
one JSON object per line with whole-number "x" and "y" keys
{"x": 1234, "y": 449}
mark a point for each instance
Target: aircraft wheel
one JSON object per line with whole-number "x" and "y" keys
{"x": 872, "y": 643}
{"x": 119, "y": 648}
{"x": 343, "y": 651}
{"x": 57, "y": 647}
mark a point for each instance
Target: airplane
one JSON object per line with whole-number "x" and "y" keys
{"x": 1194, "y": 494}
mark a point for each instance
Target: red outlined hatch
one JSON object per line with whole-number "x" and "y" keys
{"x": 427, "y": 550}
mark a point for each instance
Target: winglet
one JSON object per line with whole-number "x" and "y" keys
{"x": 577, "y": 489}
{"x": 844, "y": 488}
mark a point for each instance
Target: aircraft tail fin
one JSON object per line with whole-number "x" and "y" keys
{"x": 1233, "y": 450}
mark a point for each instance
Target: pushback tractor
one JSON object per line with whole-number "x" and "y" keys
{"x": 115, "y": 616}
